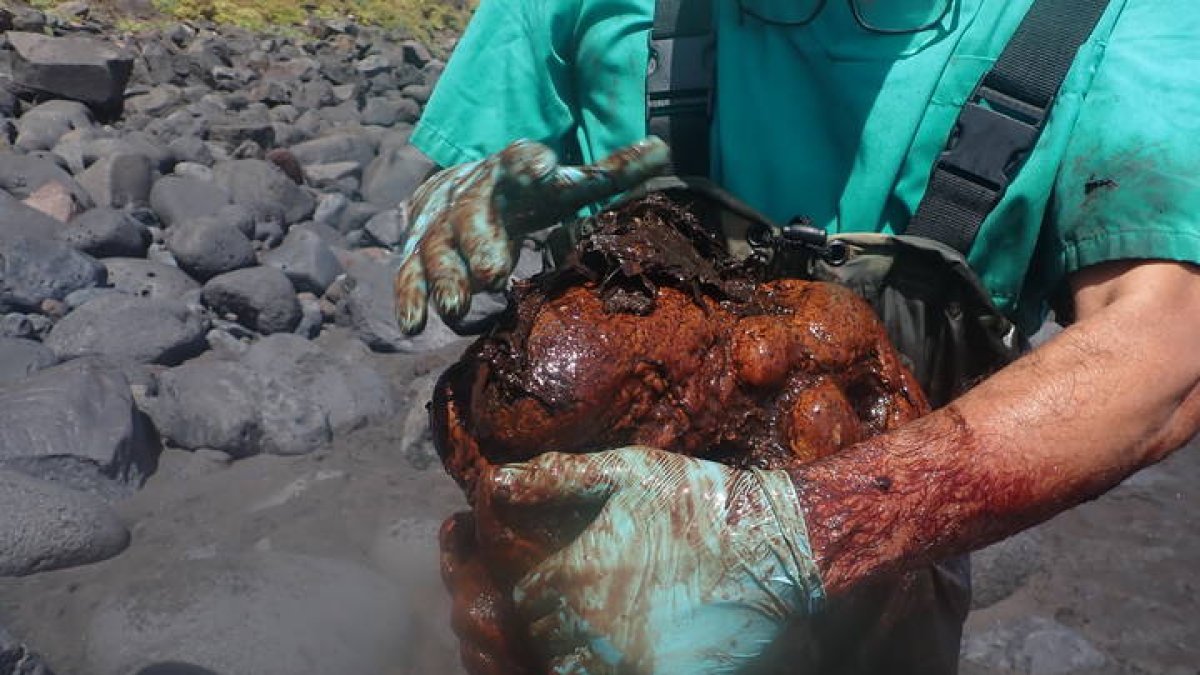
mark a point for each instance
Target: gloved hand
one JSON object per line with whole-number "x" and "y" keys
{"x": 690, "y": 568}
{"x": 463, "y": 217}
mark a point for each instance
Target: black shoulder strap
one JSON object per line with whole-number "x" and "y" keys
{"x": 1002, "y": 121}
{"x": 680, "y": 82}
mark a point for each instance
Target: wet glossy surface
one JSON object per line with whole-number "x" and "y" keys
{"x": 652, "y": 336}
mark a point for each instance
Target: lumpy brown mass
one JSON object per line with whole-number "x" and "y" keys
{"x": 650, "y": 334}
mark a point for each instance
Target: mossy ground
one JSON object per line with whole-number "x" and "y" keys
{"x": 424, "y": 19}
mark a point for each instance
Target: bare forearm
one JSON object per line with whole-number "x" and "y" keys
{"x": 1108, "y": 396}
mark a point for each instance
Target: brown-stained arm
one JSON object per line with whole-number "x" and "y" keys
{"x": 1115, "y": 392}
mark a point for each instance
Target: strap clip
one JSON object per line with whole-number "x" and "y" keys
{"x": 993, "y": 136}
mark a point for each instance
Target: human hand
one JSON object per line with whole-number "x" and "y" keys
{"x": 690, "y": 567}
{"x": 463, "y": 217}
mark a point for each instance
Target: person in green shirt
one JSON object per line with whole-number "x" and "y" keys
{"x": 816, "y": 115}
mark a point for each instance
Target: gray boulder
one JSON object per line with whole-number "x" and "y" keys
{"x": 345, "y": 386}
{"x": 209, "y": 246}
{"x": 223, "y": 405}
{"x": 78, "y": 68}
{"x": 306, "y": 259}
{"x": 341, "y": 146}
{"x": 24, "y": 175}
{"x": 388, "y": 227}
{"x": 119, "y": 180}
{"x": 138, "y": 329}
{"x": 107, "y": 232}
{"x": 387, "y": 111}
{"x": 158, "y": 102}
{"x": 209, "y": 405}
{"x": 284, "y": 395}
{"x": 43, "y": 125}
{"x": 44, "y": 527}
{"x": 33, "y": 271}
{"x": 130, "y": 143}
{"x": 395, "y": 175}
{"x": 340, "y": 176}
{"x": 261, "y": 298}
{"x": 294, "y": 614}
{"x": 178, "y": 199}
{"x": 21, "y": 358}
{"x": 254, "y": 183}
{"x": 237, "y": 130}
{"x": 74, "y": 423}
{"x": 20, "y": 220}
{"x": 148, "y": 279}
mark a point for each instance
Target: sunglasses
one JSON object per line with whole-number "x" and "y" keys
{"x": 888, "y": 17}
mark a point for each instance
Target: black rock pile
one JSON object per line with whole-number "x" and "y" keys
{"x": 197, "y": 236}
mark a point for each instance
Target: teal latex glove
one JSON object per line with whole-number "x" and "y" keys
{"x": 690, "y": 568}
{"x": 463, "y": 217}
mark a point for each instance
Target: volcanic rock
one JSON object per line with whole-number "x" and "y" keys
{"x": 394, "y": 175}
{"x": 208, "y": 246}
{"x": 74, "y": 423}
{"x": 119, "y": 180}
{"x": 306, "y": 260}
{"x": 78, "y": 68}
{"x": 17, "y": 219}
{"x": 42, "y": 126}
{"x": 129, "y": 327}
{"x": 261, "y": 298}
{"x": 45, "y": 527}
{"x": 21, "y": 358}
{"x": 388, "y": 227}
{"x": 177, "y": 199}
{"x": 337, "y": 147}
{"x": 253, "y": 182}
{"x": 148, "y": 279}
{"x": 35, "y": 270}
{"x": 107, "y": 232}
{"x": 23, "y": 175}
{"x": 55, "y": 200}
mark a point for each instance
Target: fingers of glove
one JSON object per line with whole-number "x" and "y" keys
{"x": 564, "y": 636}
{"x": 445, "y": 273}
{"x": 553, "y": 478}
{"x": 573, "y": 188}
{"x": 411, "y": 293}
{"x": 481, "y": 237}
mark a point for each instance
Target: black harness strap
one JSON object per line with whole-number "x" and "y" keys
{"x": 1002, "y": 121}
{"x": 680, "y": 82}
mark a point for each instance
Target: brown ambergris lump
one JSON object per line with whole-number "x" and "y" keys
{"x": 650, "y": 334}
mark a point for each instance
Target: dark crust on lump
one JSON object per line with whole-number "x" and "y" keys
{"x": 649, "y": 334}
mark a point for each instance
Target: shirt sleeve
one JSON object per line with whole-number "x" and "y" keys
{"x": 1129, "y": 186}
{"x": 508, "y": 78}
{"x": 567, "y": 73}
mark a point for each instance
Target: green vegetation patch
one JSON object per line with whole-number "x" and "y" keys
{"x": 422, "y": 18}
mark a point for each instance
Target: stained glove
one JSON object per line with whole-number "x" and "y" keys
{"x": 463, "y": 217}
{"x": 689, "y": 568}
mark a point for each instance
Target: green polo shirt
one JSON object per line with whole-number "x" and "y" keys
{"x": 842, "y": 125}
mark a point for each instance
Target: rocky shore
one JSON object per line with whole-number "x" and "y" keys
{"x": 214, "y": 456}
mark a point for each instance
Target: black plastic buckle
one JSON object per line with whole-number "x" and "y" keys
{"x": 797, "y": 238}
{"x": 993, "y": 136}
